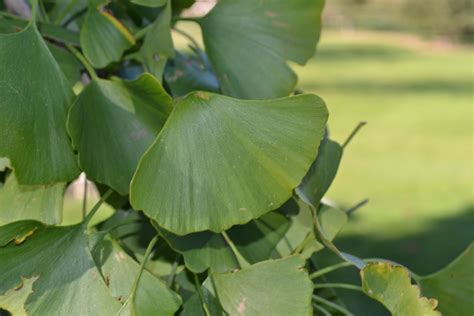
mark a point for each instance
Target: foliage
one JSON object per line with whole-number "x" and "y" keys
{"x": 215, "y": 165}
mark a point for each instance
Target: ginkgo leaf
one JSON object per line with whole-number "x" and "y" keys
{"x": 68, "y": 281}
{"x": 153, "y": 297}
{"x": 104, "y": 38}
{"x": 255, "y": 240}
{"x": 249, "y": 43}
{"x": 17, "y": 232}
{"x": 220, "y": 161}
{"x": 322, "y": 172}
{"x": 14, "y": 300}
{"x": 300, "y": 235}
{"x": 158, "y": 45}
{"x": 40, "y": 202}
{"x": 274, "y": 287}
{"x": 391, "y": 286}
{"x": 453, "y": 286}
{"x": 34, "y": 99}
{"x": 112, "y": 123}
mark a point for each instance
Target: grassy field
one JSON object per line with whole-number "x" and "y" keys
{"x": 414, "y": 159}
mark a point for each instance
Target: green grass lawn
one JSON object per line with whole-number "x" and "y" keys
{"x": 414, "y": 159}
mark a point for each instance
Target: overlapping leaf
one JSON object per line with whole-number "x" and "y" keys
{"x": 153, "y": 297}
{"x": 219, "y": 161}
{"x": 391, "y": 286}
{"x": 453, "y": 286}
{"x": 322, "y": 172}
{"x": 68, "y": 281}
{"x": 104, "y": 38}
{"x": 255, "y": 241}
{"x": 34, "y": 99}
{"x": 274, "y": 287}
{"x": 40, "y": 202}
{"x": 112, "y": 123}
{"x": 249, "y": 43}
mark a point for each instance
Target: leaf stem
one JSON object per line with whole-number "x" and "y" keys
{"x": 240, "y": 259}
{"x": 83, "y": 60}
{"x": 331, "y": 304}
{"x": 84, "y": 198}
{"x": 321, "y": 309}
{"x": 353, "y": 133}
{"x": 97, "y": 206}
{"x": 141, "y": 33}
{"x": 338, "y": 286}
{"x": 148, "y": 251}
{"x": 187, "y": 36}
{"x": 170, "y": 280}
{"x": 201, "y": 295}
{"x": 34, "y": 10}
{"x": 328, "y": 269}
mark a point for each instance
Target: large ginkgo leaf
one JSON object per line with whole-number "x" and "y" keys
{"x": 112, "y": 123}
{"x": 391, "y": 286}
{"x": 68, "y": 281}
{"x": 152, "y": 296}
{"x": 219, "y": 161}
{"x": 274, "y": 287}
{"x": 104, "y": 38}
{"x": 453, "y": 286}
{"x": 34, "y": 99}
{"x": 249, "y": 43}
{"x": 40, "y": 202}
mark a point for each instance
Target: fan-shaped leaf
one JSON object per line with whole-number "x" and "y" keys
{"x": 249, "y": 42}
{"x": 453, "y": 286}
{"x": 34, "y": 98}
{"x": 104, "y": 38}
{"x": 219, "y": 161}
{"x": 112, "y": 123}
{"x": 119, "y": 270}
{"x": 150, "y": 3}
{"x": 68, "y": 281}
{"x": 275, "y": 287}
{"x": 40, "y": 202}
{"x": 391, "y": 286}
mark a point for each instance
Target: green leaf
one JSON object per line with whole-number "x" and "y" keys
{"x": 68, "y": 281}
{"x": 112, "y": 123}
{"x": 238, "y": 159}
{"x": 255, "y": 240}
{"x": 119, "y": 270}
{"x": 185, "y": 74}
{"x": 104, "y": 38}
{"x": 453, "y": 286}
{"x": 70, "y": 66}
{"x": 14, "y": 300}
{"x": 249, "y": 42}
{"x": 18, "y": 232}
{"x": 322, "y": 172}
{"x": 274, "y": 287}
{"x": 40, "y": 202}
{"x": 391, "y": 286}
{"x": 193, "y": 305}
{"x": 34, "y": 99}
{"x": 158, "y": 45}
{"x": 150, "y": 3}
{"x": 300, "y": 235}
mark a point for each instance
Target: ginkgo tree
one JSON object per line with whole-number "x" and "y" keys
{"x": 215, "y": 164}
